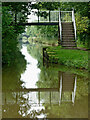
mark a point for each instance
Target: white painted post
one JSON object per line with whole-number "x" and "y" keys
{"x": 73, "y": 20}
{"x": 60, "y": 89}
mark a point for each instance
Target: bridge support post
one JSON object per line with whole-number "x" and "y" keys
{"x": 49, "y": 16}
{"x": 59, "y": 43}
{"x": 38, "y": 15}
{"x": 39, "y": 98}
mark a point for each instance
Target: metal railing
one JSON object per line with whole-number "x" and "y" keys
{"x": 51, "y": 16}
{"x": 73, "y": 20}
{"x": 43, "y": 16}
{"x": 74, "y": 92}
{"x": 60, "y": 25}
{"x": 66, "y": 16}
{"x": 54, "y": 16}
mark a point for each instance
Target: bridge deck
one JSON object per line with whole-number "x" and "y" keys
{"x": 33, "y": 90}
{"x": 39, "y": 23}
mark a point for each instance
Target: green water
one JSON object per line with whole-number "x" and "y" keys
{"x": 37, "y": 91}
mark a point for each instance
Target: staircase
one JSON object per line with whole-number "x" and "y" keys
{"x": 68, "y": 38}
{"x": 67, "y": 30}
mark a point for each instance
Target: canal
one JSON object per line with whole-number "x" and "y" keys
{"x": 37, "y": 91}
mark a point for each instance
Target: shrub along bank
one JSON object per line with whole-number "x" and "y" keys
{"x": 69, "y": 57}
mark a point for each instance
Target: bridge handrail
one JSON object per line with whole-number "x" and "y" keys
{"x": 65, "y": 11}
{"x": 60, "y": 25}
{"x": 49, "y": 18}
{"x": 74, "y": 23}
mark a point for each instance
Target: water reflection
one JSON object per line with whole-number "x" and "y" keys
{"x": 34, "y": 102}
{"x": 45, "y": 93}
{"x": 67, "y": 87}
{"x": 30, "y": 76}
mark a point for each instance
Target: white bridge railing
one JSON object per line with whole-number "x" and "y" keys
{"x": 53, "y": 16}
{"x": 73, "y": 20}
{"x": 60, "y": 26}
{"x": 43, "y": 16}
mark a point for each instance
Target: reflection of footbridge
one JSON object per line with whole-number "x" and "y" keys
{"x": 65, "y": 21}
{"x": 65, "y": 92}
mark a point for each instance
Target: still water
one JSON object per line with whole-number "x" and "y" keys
{"x": 37, "y": 91}
{"x": 31, "y": 74}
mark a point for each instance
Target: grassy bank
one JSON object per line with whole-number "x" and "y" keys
{"x": 68, "y": 57}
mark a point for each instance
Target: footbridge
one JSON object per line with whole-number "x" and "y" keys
{"x": 65, "y": 21}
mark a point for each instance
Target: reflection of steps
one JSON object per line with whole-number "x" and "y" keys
{"x": 67, "y": 87}
{"x": 68, "y": 82}
{"x": 68, "y": 38}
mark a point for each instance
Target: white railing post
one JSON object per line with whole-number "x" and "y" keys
{"x": 60, "y": 89}
{"x": 60, "y": 26}
{"x": 74, "y": 92}
{"x": 73, "y": 20}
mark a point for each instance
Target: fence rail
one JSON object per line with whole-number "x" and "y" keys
{"x": 50, "y": 16}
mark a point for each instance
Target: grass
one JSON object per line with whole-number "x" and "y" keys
{"x": 68, "y": 57}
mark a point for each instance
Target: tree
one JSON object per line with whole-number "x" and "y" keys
{"x": 10, "y": 32}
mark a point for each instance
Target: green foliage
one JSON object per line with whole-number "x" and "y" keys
{"x": 11, "y": 74}
{"x": 10, "y": 32}
{"x": 17, "y": 13}
{"x": 81, "y": 23}
{"x": 73, "y": 58}
{"x": 82, "y": 18}
{"x": 48, "y": 30}
{"x": 8, "y": 36}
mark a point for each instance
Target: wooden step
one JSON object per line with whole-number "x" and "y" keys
{"x": 67, "y": 30}
{"x": 67, "y": 34}
{"x": 68, "y": 40}
{"x": 69, "y": 45}
{"x": 67, "y": 26}
{"x": 67, "y": 23}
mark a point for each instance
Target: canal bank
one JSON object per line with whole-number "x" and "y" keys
{"x": 68, "y": 57}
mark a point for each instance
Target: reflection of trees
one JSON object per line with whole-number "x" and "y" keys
{"x": 48, "y": 78}
{"x": 11, "y": 111}
{"x": 16, "y": 107}
{"x": 11, "y": 81}
{"x": 82, "y": 87}
{"x": 78, "y": 109}
{"x": 11, "y": 76}
{"x": 36, "y": 52}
